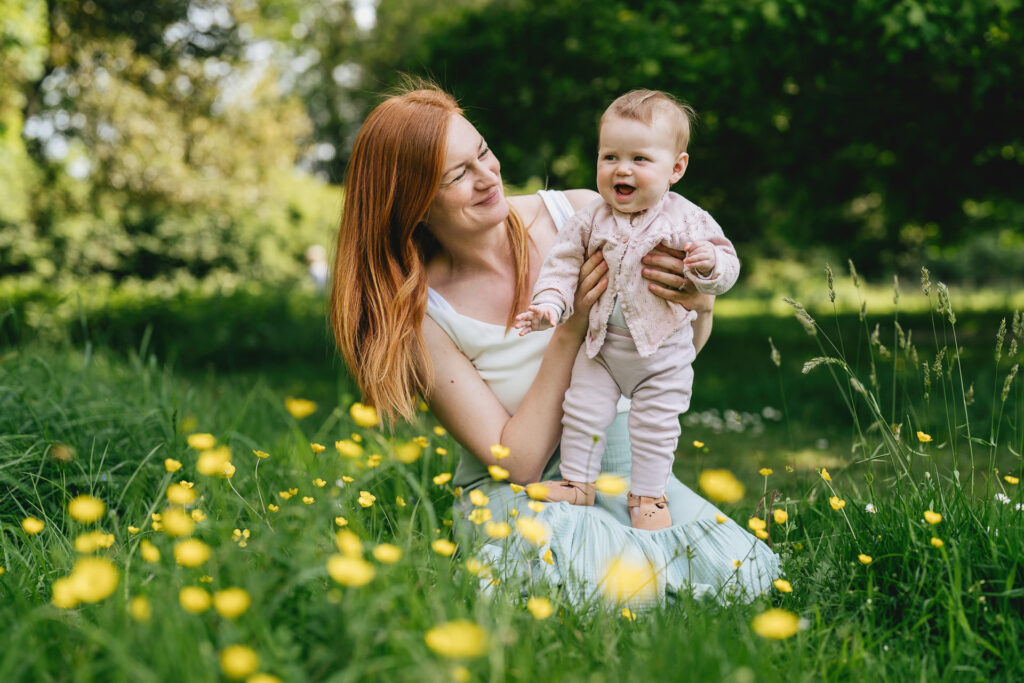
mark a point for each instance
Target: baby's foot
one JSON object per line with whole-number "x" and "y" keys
{"x": 649, "y": 513}
{"x": 572, "y": 492}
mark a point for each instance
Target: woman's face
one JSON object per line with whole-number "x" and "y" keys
{"x": 470, "y": 196}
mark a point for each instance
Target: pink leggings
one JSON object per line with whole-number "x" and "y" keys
{"x": 660, "y": 388}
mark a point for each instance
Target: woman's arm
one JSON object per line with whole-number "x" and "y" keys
{"x": 664, "y": 271}
{"x": 467, "y": 407}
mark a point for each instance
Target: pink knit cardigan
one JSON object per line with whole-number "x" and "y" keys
{"x": 625, "y": 239}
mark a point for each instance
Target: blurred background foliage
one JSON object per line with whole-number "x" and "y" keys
{"x": 160, "y": 149}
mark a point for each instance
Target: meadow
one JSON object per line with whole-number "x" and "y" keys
{"x": 200, "y": 496}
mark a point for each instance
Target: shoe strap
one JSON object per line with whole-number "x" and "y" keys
{"x": 635, "y": 501}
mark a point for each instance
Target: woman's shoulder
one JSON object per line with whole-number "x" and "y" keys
{"x": 581, "y": 197}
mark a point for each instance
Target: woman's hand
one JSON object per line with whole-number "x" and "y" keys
{"x": 664, "y": 271}
{"x": 593, "y": 281}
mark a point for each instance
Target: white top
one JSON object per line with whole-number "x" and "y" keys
{"x": 507, "y": 362}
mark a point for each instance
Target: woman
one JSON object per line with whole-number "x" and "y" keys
{"x": 433, "y": 263}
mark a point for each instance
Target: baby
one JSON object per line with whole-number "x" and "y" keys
{"x": 638, "y": 345}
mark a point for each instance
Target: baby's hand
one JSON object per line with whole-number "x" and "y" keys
{"x": 534, "y": 319}
{"x": 701, "y": 257}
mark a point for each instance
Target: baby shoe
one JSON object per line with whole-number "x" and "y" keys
{"x": 572, "y": 492}
{"x": 649, "y": 513}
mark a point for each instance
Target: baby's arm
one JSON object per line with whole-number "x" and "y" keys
{"x": 537, "y": 317}
{"x": 560, "y": 272}
{"x": 711, "y": 262}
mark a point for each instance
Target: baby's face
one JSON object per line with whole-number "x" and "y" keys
{"x": 637, "y": 162}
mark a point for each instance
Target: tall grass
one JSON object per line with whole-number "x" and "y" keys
{"x": 84, "y": 421}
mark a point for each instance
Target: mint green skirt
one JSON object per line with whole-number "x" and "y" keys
{"x": 595, "y": 552}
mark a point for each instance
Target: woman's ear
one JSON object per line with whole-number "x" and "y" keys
{"x": 679, "y": 167}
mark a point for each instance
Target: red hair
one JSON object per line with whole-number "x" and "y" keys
{"x": 379, "y": 285}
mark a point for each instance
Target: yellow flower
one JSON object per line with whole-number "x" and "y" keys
{"x": 611, "y": 484}
{"x": 440, "y": 450}
{"x": 319, "y": 483}
{"x": 923, "y": 437}
{"x": 720, "y": 518}
{"x": 262, "y": 678}
{"x": 497, "y": 529}
{"x": 201, "y": 441}
{"x": 231, "y": 603}
{"x": 764, "y": 471}
{"x": 937, "y": 542}
{"x": 736, "y": 564}
{"x": 443, "y": 546}
{"x": 150, "y": 553}
{"x": 537, "y": 491}
{"x": 399, "y": 501}
{"x": 540, "y": 608}
{"x": 363, "y": 415}
{"x": 86, "y": 508}
{"x": 499, "y": 452}
{"x": 721, "y": 486}
{"x": 626, "y": 580}
{"x": 865, "y": 559}
{"x": 350, "y": 571}
{"x": 309, "y": 500}
{"x": 272, "y": 507}
{"x": 299, "y": 407}
{"x": 285, "y": 495}
{"x": 1011, "y": 479}
{"x": 756, "y": 524}
{"x": 213, "y": 462}
{"x": 932, "y": 518}
{"x": 479, "y": 515}
{"x": 698, "y": 444}
{"x": 317, "y": 448}
{"x": 93, "y": 579}
{"x": 548, "y": 556}
{"x": 387, "y": 553}
{"x": 349, "y": 448}
{"x": 198, "y": 515}
{"x": 366, "y": 499}
{"x": 348, "y": 543}
{"x": 516, "y": 488}
{"x": 172, "y": 465}
{"x": 439, "y": 430}
{"x": 408, "y": 452}
{"x": 32, "y": 526}
{"x": 536, "y": 506}
{"x": 628, "y": 614}
{"x": 837, "y": 503}
{"x": 443, "y": 478}
{"x": 191, "y": 552}
{"x": 133, "y": 530}
{"x": 825, "y": 475}
{"x": 341, "y": 521}
{"x": 782, "y": 586}
{"x": 762, "y": 534}
{"x": 261, "y": 454}
{"x": 374, "y": 460}
{"x": 478, "y": 497}
{"x": 238, "y": 661}
{"x": 498, "y": 473}
{"x": 460, "y": 674}
{"x": 177, "y": 522}
{"x": 780, "y": 516}
{"x": 180, "y": 495}
{"x": 476, "y": 567}
{"x": 64, "y": 593}
{"x": 187, "y": 484}
{"x": 140, "y": 609}
{"x": 458, "y": 639}
{"x": 533, "y": 531}
{"x": 92, "y": 541}
{"x": 777, "y": 624}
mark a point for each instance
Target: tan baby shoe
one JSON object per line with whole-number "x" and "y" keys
{"x": 649, "y": 513}
{"x": 572, "y": 492}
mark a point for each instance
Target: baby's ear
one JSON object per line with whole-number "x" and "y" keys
{"x": 679, "y": 167}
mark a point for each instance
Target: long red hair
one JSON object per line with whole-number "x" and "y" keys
{"x": 379, "y": 285}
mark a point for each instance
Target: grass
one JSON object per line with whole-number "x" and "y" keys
{"x": 79, "y": 419}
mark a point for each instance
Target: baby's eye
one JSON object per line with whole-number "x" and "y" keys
{"x": 608, "y": 157}
{"x": 639, "y": 158}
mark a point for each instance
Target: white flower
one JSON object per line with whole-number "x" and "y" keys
{"x": 1019, "y": 506}
{"x": 1002, "y": 498}
{"x": 870, "y": 507}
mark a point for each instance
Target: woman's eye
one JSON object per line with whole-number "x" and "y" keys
{"x": 484, "y": 153}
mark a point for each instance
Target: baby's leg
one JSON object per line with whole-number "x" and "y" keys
{"x": 654, "y": 421}
{"x": 589, "y": 408}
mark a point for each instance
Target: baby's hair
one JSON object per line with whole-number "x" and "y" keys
{"x": 644, "y": 105}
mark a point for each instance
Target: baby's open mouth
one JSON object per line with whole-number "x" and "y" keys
{"x": 624, "y": 190}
